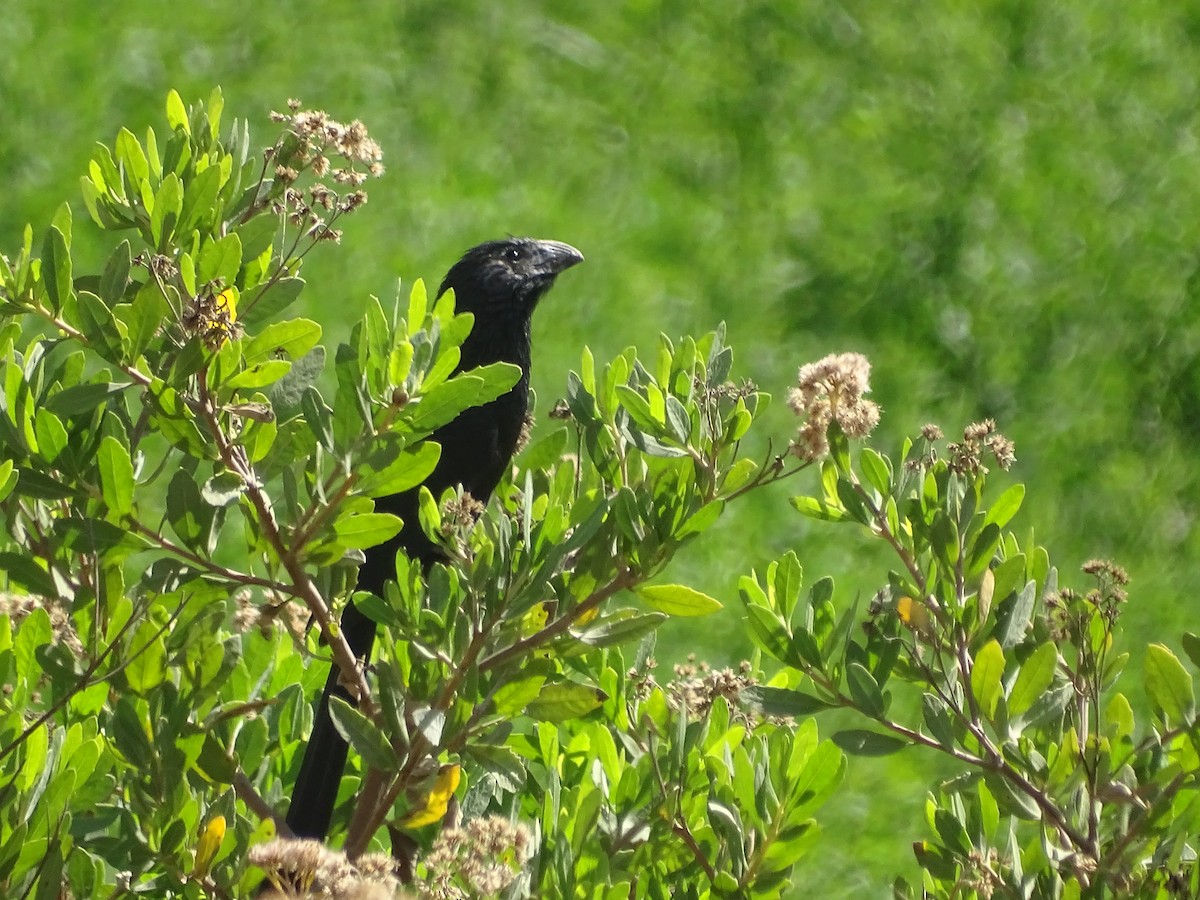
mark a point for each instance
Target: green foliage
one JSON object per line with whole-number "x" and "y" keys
{"x": 175, "y": 482}
{"x": 182, "y": 489}
{"x": 995, "y": 201}
{"x": 1058, "y": 790}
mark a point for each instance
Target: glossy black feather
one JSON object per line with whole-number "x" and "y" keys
{"x": 500, "y": 282}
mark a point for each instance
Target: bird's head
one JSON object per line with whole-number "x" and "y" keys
{"x": 507, "y": 276}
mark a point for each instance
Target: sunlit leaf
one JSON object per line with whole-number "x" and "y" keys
{"x": 362, "y": 530}
{"x": 1168, "y": 685}
{"x": 858, "y": 742}
{"x": 361, "y": 734}
{"x": 678, "y": 600}
{"x": 1035, "y": 676}
{"x": 116, "y": 477}
{"x": 986, "y": 674}
{"x": 565, "y": 700}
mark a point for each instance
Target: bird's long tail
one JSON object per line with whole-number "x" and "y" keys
{"x": 316, "y": 785}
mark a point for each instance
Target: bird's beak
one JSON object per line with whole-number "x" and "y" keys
{"x": 557, "y": 256}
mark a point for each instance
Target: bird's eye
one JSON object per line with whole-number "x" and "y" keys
{"x": 514, "y": 253}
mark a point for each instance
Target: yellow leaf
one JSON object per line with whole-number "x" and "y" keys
{"x": 209, "y": 844}
{"x": 228, "y": 300}
{"x": 535, "y": 620}
{"x": 438, "y": 801}
{"x": 914, "y": 614}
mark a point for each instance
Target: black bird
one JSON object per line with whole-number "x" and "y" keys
{"x": 500, "y": 282}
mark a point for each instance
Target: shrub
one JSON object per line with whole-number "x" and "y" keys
{"x": 186, "y": 485}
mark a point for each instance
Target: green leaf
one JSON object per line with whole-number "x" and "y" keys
{"x": 50, "y": 433}
{"x": 513, "y": 697}
{"x": 223, "y": 489}
{"x": 1014, "y": 618}
{"x": 1169, "y": 686}
{"x": 445, "y": 401}
{"x": 858, "y": 742}
{"x": 259, "y": 375}
{"x": 361, "y": 734}
{"x": 56, "y": 268}
{"x": 34, "y": 483}
{"x": 703, "y": 519}
{"x": 220, "y": 259}
{"x": 362, "y": 530}
{"x": 772, "y": 701}
{"x": 865, "y": 691}
{"x": 818, "y": 509}
{"x": 639, "y": 409}
{"x": 769, "y": 632}
{"x": 986, "y": 676}
{"x": 1191, "y": 646}
{"x": 216, "y": 762}
{"x": 190, "y": 516}
{"x": 565, "y": 700}
{"x": 146, "y": 663}
{"x": 8, "y": 478}
{"x": 24, "y": 572}
{"x": 546, "y": 452}
{"x": 291, "y": 339}
{"x": 199, "y": 198}
{"x": 116, "y": 477}
{"x": 1118, "y": 715}
{"x": 103, "y": 330}
{"x": 406, "y": 471}
{"x": 216, "y": 104}
{"x": 622, "y": 627}
{"x": 1005, "y": 507}
{"x": 287, "y": 393}
{"x": 318, "y": 417}
{"x": 143, "y": 317}
{"x": 1035, "y": 676}
{"x": 787, "y": 583}
{"x": 504, "y": 766}
{"x": 937, "y": 720}
{"x": 1010, "y": 800}
{"x": 168, "y": 203}
{"x": 678, "y": 600}
{"x": 116, "y": 274}
{"x": 257, "y": 235}
{"x": 271, "y": 299}
{"x": 176, "y": 112}
{"x": 952, "y": 832}
{"x": 131, "y": 155}
{"x": 875, "y": 470}
{"x": 678, "y": 420}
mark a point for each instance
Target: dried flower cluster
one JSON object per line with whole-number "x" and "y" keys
{"x": 727, "y": 390}
{"x": 696, "y": 686}
{"x": 983, "y": 874}
{"x": 832, "y": 390}
{"x": 308, "y": 869}
{"x": 480, "y": 859}
{"x": 980, "y": 438}
{"x": 640, "y": 680}
{"x": 18, "y": 606}
{"x": 212, "y": 315}
{"x": 269, "y": 617}
{"x": 460, "y": 513}
{"x": 1071, "y": 613}
{"x": 311, "y": 140}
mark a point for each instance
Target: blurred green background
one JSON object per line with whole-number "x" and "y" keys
{"x": 999, "y": 203}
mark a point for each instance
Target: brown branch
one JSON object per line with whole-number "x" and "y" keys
{"x": 254, "y": 801}
{"x": 625, "y": 579}
{"x": 233, "y": 456}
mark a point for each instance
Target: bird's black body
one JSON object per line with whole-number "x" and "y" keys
{"x": 500, "y": 282}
